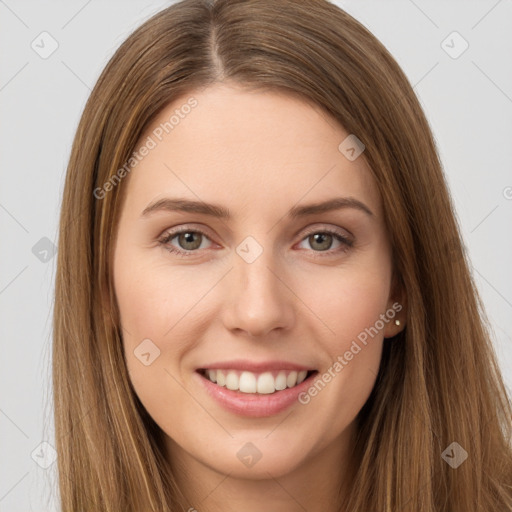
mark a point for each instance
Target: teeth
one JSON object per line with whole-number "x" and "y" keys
{"x": 281, "y": 381}
{"x": 264, "y": 383}
{"x": 247, "y": 383}
{"x": 232, "y": 381}
{"x": 291, "y": 380}
{"x": 221, "y": 378}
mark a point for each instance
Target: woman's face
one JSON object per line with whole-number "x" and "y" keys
{"x": 282, "y": 267}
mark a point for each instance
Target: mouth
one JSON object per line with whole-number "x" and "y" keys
{"x": 256, "y": 383}
{"x": 255, "y": 390}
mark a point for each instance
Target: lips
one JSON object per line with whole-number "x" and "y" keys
{"x": 255, "y": 389}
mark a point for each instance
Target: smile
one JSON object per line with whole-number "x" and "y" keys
{"x": 255, "y": 390}
{"x": 251, "y": 382}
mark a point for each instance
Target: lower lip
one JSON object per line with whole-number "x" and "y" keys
{"x": 252, "y": 404}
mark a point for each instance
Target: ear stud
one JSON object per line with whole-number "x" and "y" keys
{"x": 397, "y": 322}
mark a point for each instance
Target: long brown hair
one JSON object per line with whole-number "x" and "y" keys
{"x": 439, "y": 381}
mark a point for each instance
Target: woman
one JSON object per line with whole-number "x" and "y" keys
{"x": 262, "y": 299}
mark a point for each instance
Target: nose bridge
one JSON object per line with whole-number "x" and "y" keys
{"x": 256, "y": 278}
{"x": 259, "y": 302}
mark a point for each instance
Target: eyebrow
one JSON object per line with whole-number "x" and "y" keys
{"x": 217, "y": 211}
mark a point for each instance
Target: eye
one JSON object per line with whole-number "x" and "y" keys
{"x": 323, "y": 240}
{"x": 187, "y": 240}
{"x": 190, "y": 241}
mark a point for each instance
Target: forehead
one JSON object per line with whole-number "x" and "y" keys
{"x": 247, "y": 148}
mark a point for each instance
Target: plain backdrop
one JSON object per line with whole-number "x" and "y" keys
{"x": 51, "y": 55}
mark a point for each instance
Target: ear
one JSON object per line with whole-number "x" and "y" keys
{"x": 396, "y": 310}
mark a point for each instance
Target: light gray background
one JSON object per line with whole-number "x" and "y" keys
{"x": 468, "y": 101}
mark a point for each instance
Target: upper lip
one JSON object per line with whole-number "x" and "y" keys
{"x": 255, "y": 367}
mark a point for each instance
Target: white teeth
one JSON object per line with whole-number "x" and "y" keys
{"x": 248, "y": 382}
{"x": 291, "y": 380}
{"x": 266, "y": 384}
{"x": 281, "y": 381}
{"x": 301, "y": 376}
{"x": 221, "y": 378}
{"x": 232, "y": 381}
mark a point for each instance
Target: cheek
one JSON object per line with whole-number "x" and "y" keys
{"x": 348, "y": 301}
{"x": 159, "y": 315}
{"x": 150, "y": 313}
{"x": 153, "y": 300}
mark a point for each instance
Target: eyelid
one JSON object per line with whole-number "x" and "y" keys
{"x": 316, "y": 228}
{"x": 176, "y": 230}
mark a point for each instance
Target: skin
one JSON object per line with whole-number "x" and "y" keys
{"x": 258, "y": 154}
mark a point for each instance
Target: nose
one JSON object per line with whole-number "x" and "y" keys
{"x": 258, "y": 300}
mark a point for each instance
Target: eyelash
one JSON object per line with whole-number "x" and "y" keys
{"x": 167, "y": 237}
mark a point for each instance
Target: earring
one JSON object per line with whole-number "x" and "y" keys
{"x": 397, "y": 322}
